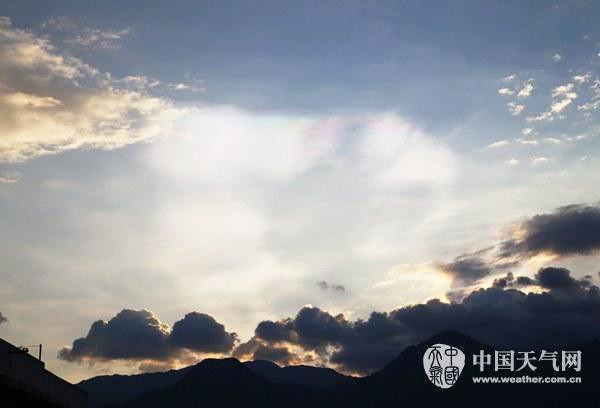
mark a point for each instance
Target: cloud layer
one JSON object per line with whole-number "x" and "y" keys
{"x": 567, "y": 311}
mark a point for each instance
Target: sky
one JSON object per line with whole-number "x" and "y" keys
{"x": 306, "y": 182}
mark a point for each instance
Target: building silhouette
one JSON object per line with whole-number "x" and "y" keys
{"x": 25, "y": 383}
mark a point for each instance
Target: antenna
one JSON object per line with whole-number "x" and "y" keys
{"x": 39, "y": 347}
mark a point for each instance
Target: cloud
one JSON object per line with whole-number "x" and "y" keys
{"x": 552, "y": 278}
{"x": 526, "y": 131}
{"x": 570, "y": 230}
{"x": 509, "y": 78}
{"x": 505, "y": 91}
{"x": 202, "y": 333}
{"x": 563, "y": 96}
{"x": 2, "y": 318}
{"x": 526, "y": 90}
{"x": 466, "y": 269}
{"x": 11, "y": 177}
{"x": 86, "y": 37}
{"x": 552, "y": 140}
{"x": 52, "y": 103}
{"x": 60, "y": 23}
{"x": 539, "y": 160}
{"x": 131, "y": 334}
{"x": 185, "y": 87}
{"x": 331, "y": 286}
{"x": 511, "y": 162}
{"x": 138, "y": 335}
{"x": 515, "y": 109}
{"x": 565, "y": 312}
{"x": 594, "y": 103}
{"x": 499, "y": 143}
{"x": 527, "y": 142}
{"x": 580, "y": 79}
{"x": 556, "y": 57}
{"x": 258, "y": 350}
{"x": 98, "y": 39}
{"x": 281, "y": 355}
{"x": 559, "y": 279}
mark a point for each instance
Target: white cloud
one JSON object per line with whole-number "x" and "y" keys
{"x": 580, "y": 79}
{"x": 556, "y": 57}
{"x": 539, "y": 160}
{"x": 12, "y": 177}
{"x": 526, "y": 90}
{"x": 563, "y": 96}
{"x": 499, "y": 143}
{"x": 515, "y": 109}
{"x": 594, "y": 103}
{"x": 59, "y": 23}
{"x": 395, "y": 152}
{"x": 509, "y": 78}
{"x": 61, "y": 114}
{"x": 526, "y": 131}
{"x": 185, "y": 87}
{"x": 512, "y": 162}
{"x": 552, "y": 140}
{"x": 98, "y": 39}
{"x": 23, "y": 100}
{"x": 527, "y": 142}
{"x": 505, "y": 91}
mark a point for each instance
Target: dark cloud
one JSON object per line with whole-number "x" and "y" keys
{"x": 510, "y": 281}
{"x": 570, "y": 230}
{"x": 466, "y": 269}
{"x": 139, "y": 335}
{"x": 131, "y": 334}
{"x": 281, "y": 355}
{"x": 331, "y": 286}
{"x": 553, "y": 278}
{"x": 256, "y": 349}
{"x": 567, "y": 311}
{"x": 2, "y": 318}
{"x": 559, "y": 279}
{"x": 201, "y": 332}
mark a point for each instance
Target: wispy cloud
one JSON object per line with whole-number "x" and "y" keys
{"x": 539, "y": 160}
{"x": 86, "y": 37}
{"x": 563, "y": 96}
{"x": 98, "y": 39}
{"x": 515, "y": 109}
{"x": 50, "y": 111}
{"x": 11, "y": 177}
{"x": 526, "y": 90}
{"x": 499, "y": 143}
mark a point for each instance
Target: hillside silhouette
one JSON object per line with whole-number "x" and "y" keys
{"x": 230, "y": 383}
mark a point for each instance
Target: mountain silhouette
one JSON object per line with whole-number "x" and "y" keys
{"x": 403, "y": 382}
{"x": 300, "y": 375}
{"x": 107, "y": 390}
{"x": 110, "y": 390}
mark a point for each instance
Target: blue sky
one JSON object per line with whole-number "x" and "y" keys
{"x": 227, "y": 156}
